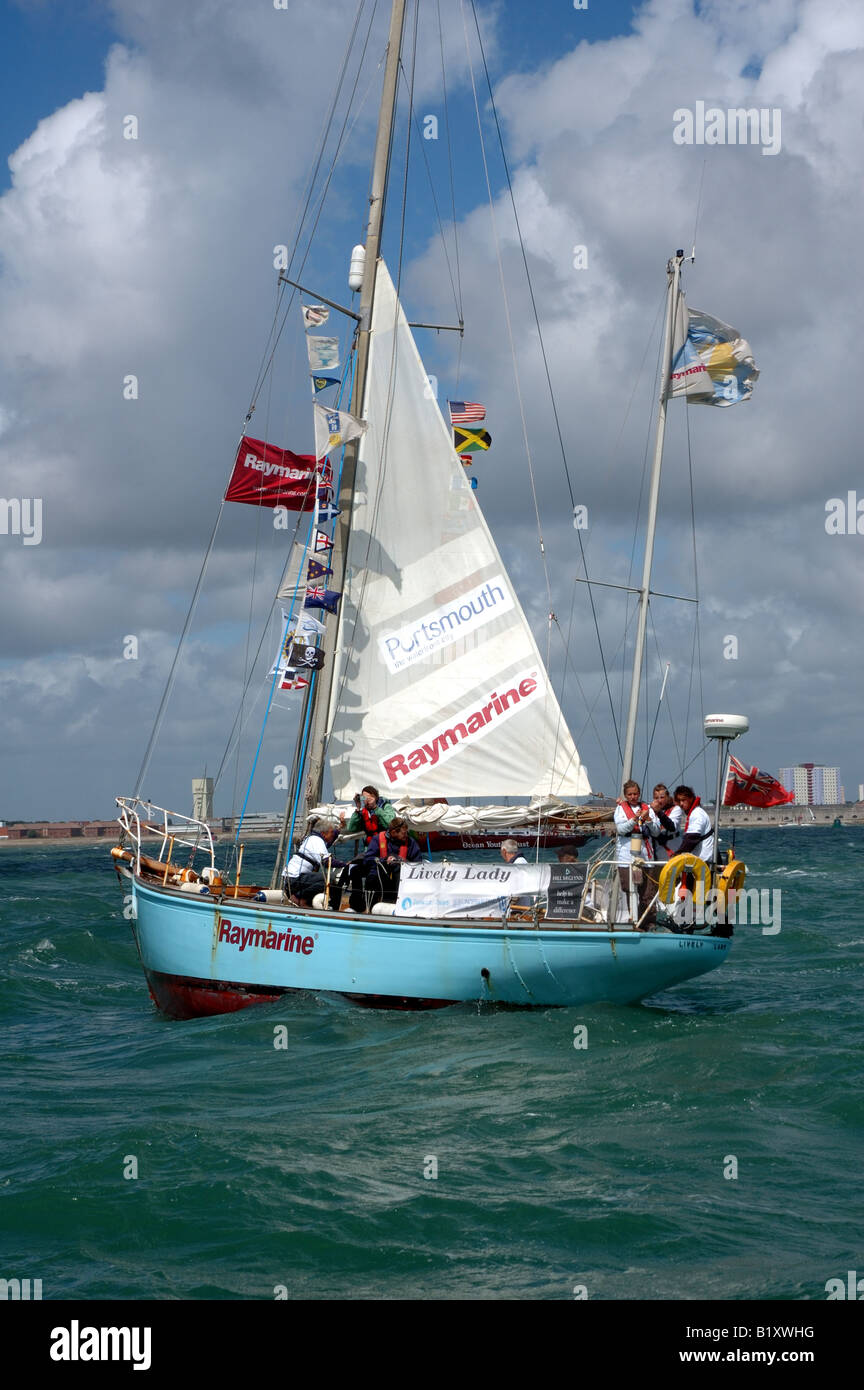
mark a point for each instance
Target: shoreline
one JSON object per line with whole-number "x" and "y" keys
{"x": 262, "y": 836}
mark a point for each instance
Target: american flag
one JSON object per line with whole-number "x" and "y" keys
{"x": 750, "y": 787}
{"x": 466, "y": 412}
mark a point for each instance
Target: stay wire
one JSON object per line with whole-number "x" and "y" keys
{"x": 536, "y": 314}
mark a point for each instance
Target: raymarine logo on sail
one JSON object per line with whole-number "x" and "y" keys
{"x": 446, "y": 624}
{"x": 467, "y": 727}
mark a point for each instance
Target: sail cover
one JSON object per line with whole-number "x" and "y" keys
{"x": 439, "y": 688}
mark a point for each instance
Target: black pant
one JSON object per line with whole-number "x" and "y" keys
{"x": 373, "y": 883}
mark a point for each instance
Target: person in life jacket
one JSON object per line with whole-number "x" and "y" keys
{"x": 373, "y": 814}
{"x": 670, "y": 817}
{"x": 304, "y": 874}
{"x": 697, "y": 831}
{"x": 385, "y": 854}
{"x": 636, "y": 829}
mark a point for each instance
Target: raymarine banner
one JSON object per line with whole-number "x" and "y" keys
{"x": 466, "y": 890}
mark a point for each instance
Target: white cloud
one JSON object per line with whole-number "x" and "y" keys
{"x": 154, "y": 257}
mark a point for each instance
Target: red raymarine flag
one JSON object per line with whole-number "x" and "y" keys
{"x": 269, "y": 477}
{"x": 750, "y": 787}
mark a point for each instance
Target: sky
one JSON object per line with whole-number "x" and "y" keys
{"x": 152, "y": 257}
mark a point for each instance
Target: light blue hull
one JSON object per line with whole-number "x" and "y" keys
{"x": 203, "y": 957}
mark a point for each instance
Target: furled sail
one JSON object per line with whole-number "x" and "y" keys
{"x": 439, "y": 688}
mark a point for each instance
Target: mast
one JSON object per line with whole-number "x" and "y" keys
{"x": 673, "y": 271}
{"x": 377, "y": 197}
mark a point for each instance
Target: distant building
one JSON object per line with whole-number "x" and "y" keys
{"x": 202, "y": 798}
{"x": 861, "y": 791}
{"x": 813, "y": 784}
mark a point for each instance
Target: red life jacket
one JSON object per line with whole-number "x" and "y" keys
{"x": 370, "y": 820}
{"x": 383, "y": 851}
{"x": 646, "y": 838}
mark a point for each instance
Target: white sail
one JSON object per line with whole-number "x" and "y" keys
{"x": 439, "y": 688}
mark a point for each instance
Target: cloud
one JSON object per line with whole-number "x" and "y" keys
{"x": 154, "y": 257}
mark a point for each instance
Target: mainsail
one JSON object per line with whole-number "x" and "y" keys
{"x": 439, "y": 688}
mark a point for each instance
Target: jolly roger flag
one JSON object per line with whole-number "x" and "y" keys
{"x": 265, "y": 476}
{"x": 310, "y": 658}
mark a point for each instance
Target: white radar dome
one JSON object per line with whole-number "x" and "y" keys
{"x": 725, "y": 725}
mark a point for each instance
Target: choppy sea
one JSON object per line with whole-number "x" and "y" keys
{"x": 704, "y": 1144}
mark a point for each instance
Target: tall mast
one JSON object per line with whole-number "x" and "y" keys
{"x": 673, "y": 271}
{"x": 377, "y": 197}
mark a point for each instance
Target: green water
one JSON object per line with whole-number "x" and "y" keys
{"x": 556, "y": 1166}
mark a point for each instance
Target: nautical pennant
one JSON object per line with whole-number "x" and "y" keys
{"x": 334, "y": 427}
{"x": 317, "y": 571}
{"x": 289, "y": 679}
{"x": 468, "y": 441}
{"x": 303, "y": 625}
{"x": 322, "y": 382}
{"x": 319, "y": 597}
{"x": 328, "y": 511}
{"x": 322, "y": 542}
{"x": 314, "y": 315}
{"x": 323, "y": 354}
{"x": 307, "y": 656}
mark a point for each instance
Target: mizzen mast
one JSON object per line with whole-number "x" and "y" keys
{"x": 673, "y": 271}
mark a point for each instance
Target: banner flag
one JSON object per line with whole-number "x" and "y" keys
{"x": 711, "y": 363}
{"x": 322, "y": 382}
{"x": 265, "y": 476}
{"x": 466, "y": 890}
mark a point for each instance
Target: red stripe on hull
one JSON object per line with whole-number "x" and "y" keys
{"x": 178, "y": 996}
{"x": 181, "y": 997}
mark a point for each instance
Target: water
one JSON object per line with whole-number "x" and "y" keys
{"x": 304, "y": 1166}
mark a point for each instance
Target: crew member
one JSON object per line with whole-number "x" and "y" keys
{"x": 372, "y": 815}
{"x": 303, "y": 875}
{"x": 510, "y": 853}
{"x": 697, "y": 831}
{"x": 567, "y": 854}
{"x": 670, "y": 817}
{"x": 635, "y": 821}
{"x": 385, "y": 854}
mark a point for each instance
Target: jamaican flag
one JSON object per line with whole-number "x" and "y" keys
{"x": 469, "y": 441}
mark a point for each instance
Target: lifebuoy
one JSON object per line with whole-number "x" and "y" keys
{"x": 672, "y": 873}
{"x": 732, "y": 877}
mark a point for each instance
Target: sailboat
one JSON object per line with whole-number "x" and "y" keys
{"x": 433, "y": 689}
